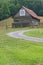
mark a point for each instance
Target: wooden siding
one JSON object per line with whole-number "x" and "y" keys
{"x": 18, "y": 14}
{"x": 24, "y": 21}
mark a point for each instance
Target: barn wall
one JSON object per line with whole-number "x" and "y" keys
{"x": 24, "y": 21}
{"x": 35, "y": 21}
{"x": 18, "y": 14}
{"x": 16, "y": 25}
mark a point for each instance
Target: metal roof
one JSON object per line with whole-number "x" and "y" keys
{"x": 32, "y": 13}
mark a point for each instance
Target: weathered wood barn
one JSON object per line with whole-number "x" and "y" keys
{"x": 25, "y": 17}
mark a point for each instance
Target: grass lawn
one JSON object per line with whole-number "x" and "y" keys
{"x": 18, "y": 51}
{"x": 35, "y": 33}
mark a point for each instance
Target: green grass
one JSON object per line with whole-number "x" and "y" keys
{"x": 18, "y": 51}
{"x": 35, "y": 33}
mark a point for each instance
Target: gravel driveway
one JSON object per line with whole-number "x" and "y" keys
{"x": 19, "y": 34}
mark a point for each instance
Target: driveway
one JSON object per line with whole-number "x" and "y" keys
{"x": 19, "y": 34}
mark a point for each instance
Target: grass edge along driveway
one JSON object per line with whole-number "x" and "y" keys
{"x": 18, "y": 51}
{"x": 19, "y": 34}
{"x": 35, "y": 33}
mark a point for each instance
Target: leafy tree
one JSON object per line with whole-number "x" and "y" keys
{"x": 40, "y": 12}
{"x": 1, "y": 13}
{"x": 6, "y": 11}
{"x": 11, "y": 7}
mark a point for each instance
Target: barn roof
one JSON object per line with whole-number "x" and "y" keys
{"x": 32, "y": 13}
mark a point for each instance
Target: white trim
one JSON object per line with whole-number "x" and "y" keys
{"x": 22, "y": 12}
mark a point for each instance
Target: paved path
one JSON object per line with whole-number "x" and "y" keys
{"x": 19, "y": 34}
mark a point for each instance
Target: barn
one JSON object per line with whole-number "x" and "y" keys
{"x": 25, "y": 17}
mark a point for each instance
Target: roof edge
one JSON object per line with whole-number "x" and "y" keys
{"x": 31, "y": 12}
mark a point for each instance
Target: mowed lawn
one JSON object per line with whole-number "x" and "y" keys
{"x": 35, "y": 33}
{"x": 18, "y": 51}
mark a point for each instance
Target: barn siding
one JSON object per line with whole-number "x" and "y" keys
{"x": 24, "y": 21}
{"x": 18, "y": 14}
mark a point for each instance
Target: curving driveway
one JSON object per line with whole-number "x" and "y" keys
{"x": 19, "y": 34}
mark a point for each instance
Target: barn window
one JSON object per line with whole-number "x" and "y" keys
{"x": 22, "y": 12}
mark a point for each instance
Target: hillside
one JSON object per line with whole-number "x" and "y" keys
{"x": 5, "y": 22}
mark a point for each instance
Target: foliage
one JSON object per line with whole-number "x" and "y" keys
{"x": 10, "y": 7}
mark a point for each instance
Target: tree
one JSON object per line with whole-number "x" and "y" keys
{"x": 40, "y": 12}
{"x": 11, "y": 7}
{"x": 6, "y": 11}
{"x": 1, "y": 13}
